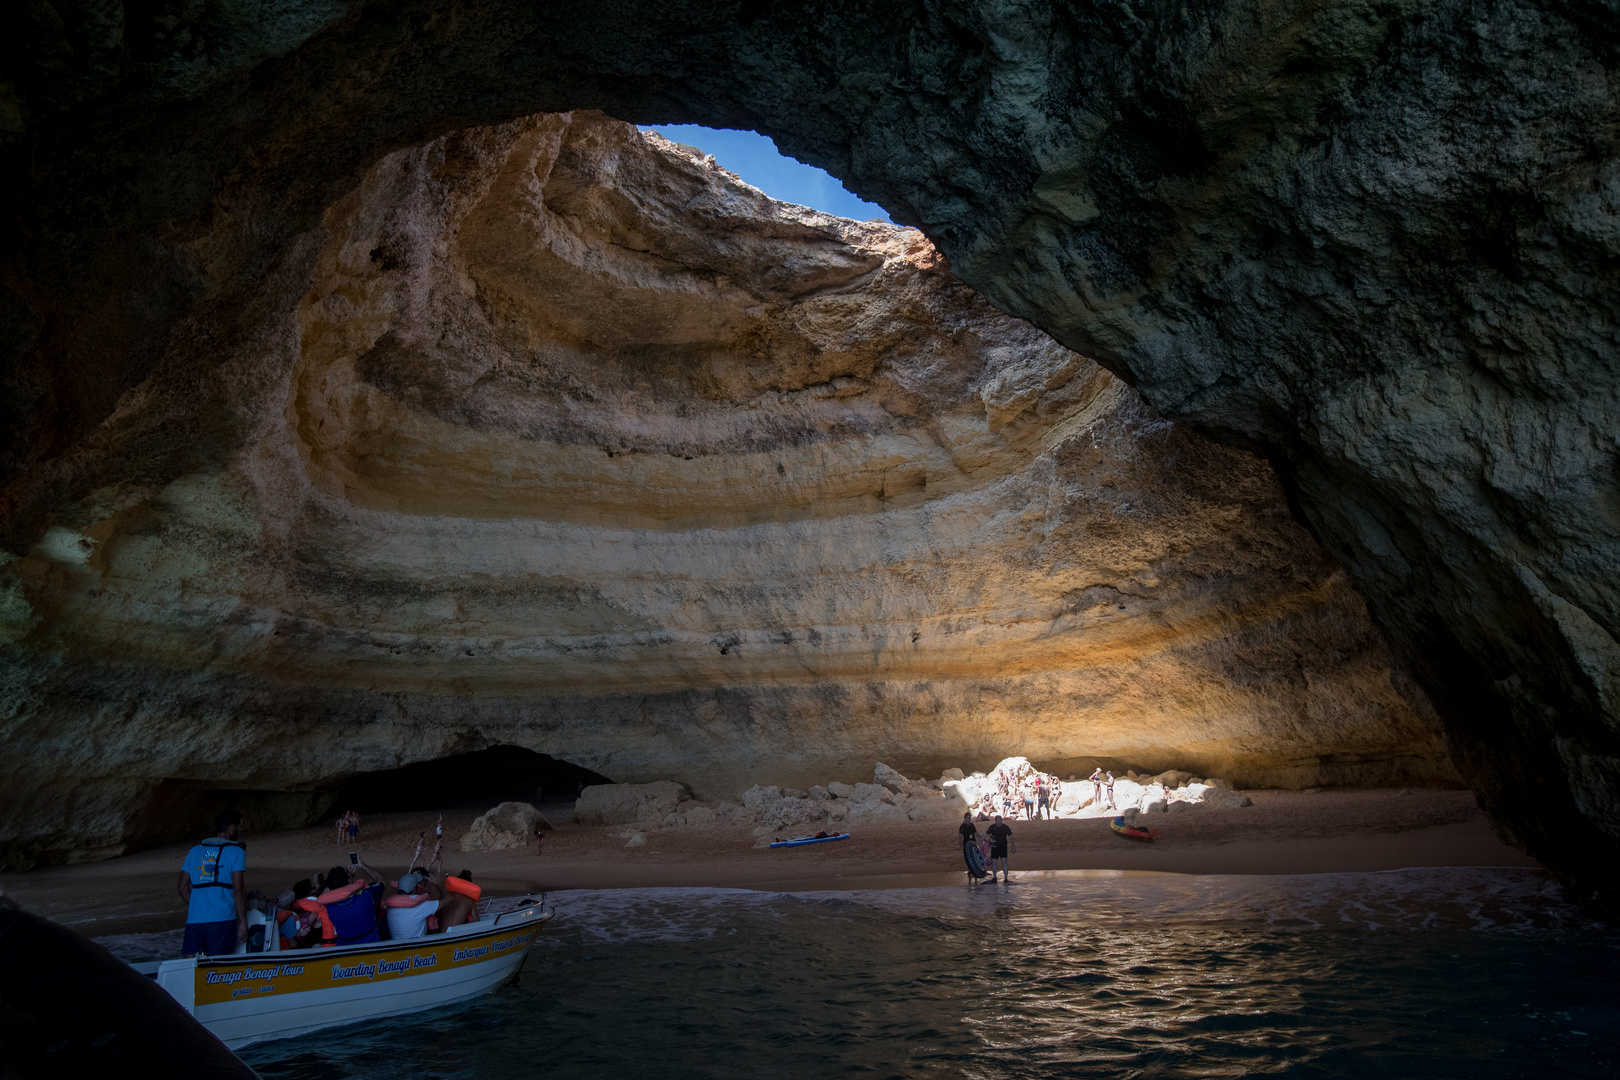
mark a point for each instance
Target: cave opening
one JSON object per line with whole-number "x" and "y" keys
{"x": 476, "y": 780}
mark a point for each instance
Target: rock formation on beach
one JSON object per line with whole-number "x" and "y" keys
{"x": 1375, "y": 244}
{"x": 574, "y": 442}
{"x": 893, "y": 799}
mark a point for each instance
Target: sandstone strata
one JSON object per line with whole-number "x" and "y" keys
{"x": 572, "y": 441}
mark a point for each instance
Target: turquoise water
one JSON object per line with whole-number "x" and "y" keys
{"x": 1437, "y": 973}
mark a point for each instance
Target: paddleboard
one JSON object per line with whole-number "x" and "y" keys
{"x": 800, "y": 841}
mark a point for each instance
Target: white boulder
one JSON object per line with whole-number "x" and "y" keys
{"x": 509, "y": 825}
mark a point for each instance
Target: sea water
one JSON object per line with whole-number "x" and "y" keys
{"x": 1414, "y": 973}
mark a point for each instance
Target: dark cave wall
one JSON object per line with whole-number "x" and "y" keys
{"x": 1376, "y": 242}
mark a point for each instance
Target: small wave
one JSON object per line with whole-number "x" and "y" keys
{"x": 138, "y": 948}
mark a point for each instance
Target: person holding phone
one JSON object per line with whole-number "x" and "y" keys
{"x": 352, "y": 901}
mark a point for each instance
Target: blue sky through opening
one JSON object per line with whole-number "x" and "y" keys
{"x": 754, "y": 157}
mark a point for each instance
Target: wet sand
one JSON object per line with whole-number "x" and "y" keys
{"x": 1284, "y": 832}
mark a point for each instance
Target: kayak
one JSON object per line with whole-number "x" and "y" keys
{"x": 1133, "y": 832}
{"x": 800, "y": 841}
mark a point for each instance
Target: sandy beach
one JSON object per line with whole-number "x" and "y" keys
{"x": 1284, "y": 832}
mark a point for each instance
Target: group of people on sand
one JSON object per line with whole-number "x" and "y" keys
{"x": 991, "y": 849}
{"x": 344, "y": 906}
{"x": 1036, "y": 793}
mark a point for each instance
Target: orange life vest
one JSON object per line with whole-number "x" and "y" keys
{"x": 310, "y": 904}
{"x": 463, "y": 886}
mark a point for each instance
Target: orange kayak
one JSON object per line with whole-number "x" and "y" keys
{"x": 1133, "y": 832}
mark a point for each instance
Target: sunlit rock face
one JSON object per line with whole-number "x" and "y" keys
{"x": 570, "y": 440}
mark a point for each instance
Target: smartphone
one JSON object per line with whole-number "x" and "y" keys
{"x": 354, "y": 858}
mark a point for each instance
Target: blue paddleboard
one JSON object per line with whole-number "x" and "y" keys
{"x": 800, "y": 841}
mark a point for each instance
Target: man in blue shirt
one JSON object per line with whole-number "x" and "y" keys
{"x": 212, "y": 887}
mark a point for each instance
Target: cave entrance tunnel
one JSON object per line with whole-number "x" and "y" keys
{"x": 476, "y": 780}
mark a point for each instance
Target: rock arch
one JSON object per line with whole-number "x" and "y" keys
{"x": 1375, "y": 243}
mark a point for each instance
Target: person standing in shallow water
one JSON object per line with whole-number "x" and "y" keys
{"x": 1000, "y": 843}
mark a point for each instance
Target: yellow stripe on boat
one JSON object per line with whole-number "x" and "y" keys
{"x": 219, "y": 982}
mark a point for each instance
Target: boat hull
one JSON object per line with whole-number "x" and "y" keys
{"x": 277, "y": 995}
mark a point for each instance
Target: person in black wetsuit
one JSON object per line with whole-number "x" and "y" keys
{"x": 1000, "y": 838}
{"x": 969, "y": 835}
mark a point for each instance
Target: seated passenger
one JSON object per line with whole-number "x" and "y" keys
{"x": 351, "y": 906}
{"x": 409, "y": 909}
{"x": 300, "y": 919}
{"x": 424, "y": 905}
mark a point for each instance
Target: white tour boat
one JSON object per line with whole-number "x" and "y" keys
{"x": 249, "y": 997}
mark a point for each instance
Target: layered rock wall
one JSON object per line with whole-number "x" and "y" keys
{"x": 572, "y": 441}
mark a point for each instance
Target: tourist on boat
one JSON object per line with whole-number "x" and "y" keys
{"x": 422, "y": 904}
{"x": 212, "y": 888}
{"x": 351, "y": 903}
{"x": 299, "y": 916}
{"x": 1000, "y": 841}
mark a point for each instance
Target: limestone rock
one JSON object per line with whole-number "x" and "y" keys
{"x": 868, "y": 794}
{"x": 509, "y": 825}
{"x": 1073, "y": 798}
{"x": 875, "y": 813}
{"x": 691, "y": 817}
{"x": 891, "y": 779}
{"x": 840, "y": 790}
{"x": 636, "y": 839}
{"x": 625, "y": 804}
{"x": 1225, "y": 800}
{"x": 760, "y": 796}
{"x": 931, "y": 810}
{"x": 786, "y": 812}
